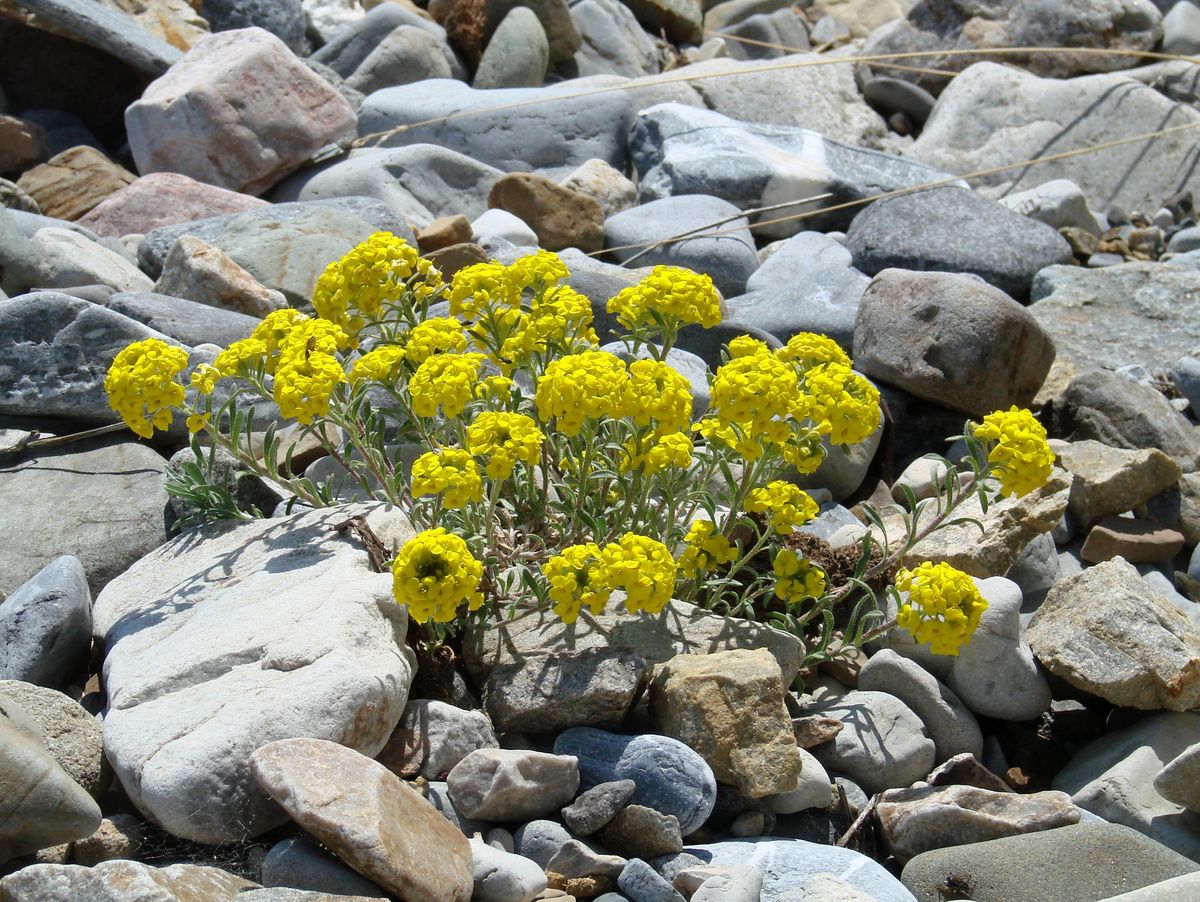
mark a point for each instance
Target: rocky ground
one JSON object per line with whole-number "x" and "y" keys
{"x": 237, "y": 714}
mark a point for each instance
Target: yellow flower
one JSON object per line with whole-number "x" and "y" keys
{"x": 805, "y": 350}
{"x": 537, "y": 271}
{"x": 141, "y": 384}
{"x": 446, "y": 381}
{"x": 197, "y": 421}
{"x": 434, "y": 336}
{"x": 204, "y": 378}
{"x": 804, "y": 451}
{"x": 356, "y": 287}
{"x": 272, "y": 331}
{"x": 669, "y": 291}
{"x": 943, "y": 606}
{"x": 379, "y": 365}
{"x": 308, "y": 371}
{"x": 754, "y": 390}
{"x": 671, "y": 450}
{"x": 745, "y": 346}
{"x": 580, "y": 386}
{"x": 658, "y": 395}
{"x": 561, "y": 317}
{"x": 237, "y": 360}
{"x": 433, "y": 574}
{"x": 797, "y": 578}
{"x": 703, "y": 551}
{"x": 576, "y": 578}
{"x": 841, "y": 402}
{"x": 449, "y": 472}
{"x": 644, "y": 568}
{"x": 504, "y": 438}
{"x": 497, "y": 388}
{"x": 788, "y": 505}
{"x": 737, "y": 436}
{"x": 480, "y": 288}
{"x": 1020, "y": 457}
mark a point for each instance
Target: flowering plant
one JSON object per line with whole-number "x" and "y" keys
{"x": 535, "y": 463}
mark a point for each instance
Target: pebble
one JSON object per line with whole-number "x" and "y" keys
{"x": 613, "y": 43}
{"x": 640, "y": 832}
{"x": 512, "y": 784}
{"x": 1109, "y": 480}
{"x": 595, "y": 807}
{"x": 815, "y": 789}
{"x": 302, "y": 863}
{"x": 119, "y": 836}
{"x": 554, "y": 848}
{"x": 46, "y": 626}
{"x": 1181, "y": 30}
{"x": 407, "y": 54}
{"x": 560, "y": 217}
{"x": 1059, "y": 203}
{"x": 503, "y": 877}
{"x": 432, "y": 737}
{"x": 1179, "y": 781}
{"x": 66, "y": 259}
{"x": 1137, "y": 541}
{"x": 189, "y": 323}
{"x": 71, "y": 184}
{"x": 517, "y": 53}
{"x": 641, "y": 883}
{"x": 204, "y": 274}
{"x": 69, "y": 733}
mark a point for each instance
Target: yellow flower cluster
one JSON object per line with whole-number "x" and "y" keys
{"x": 576, "y": 578}
{"x": 669, "y": 291}
{"x": 379, "y": 365}
{"x": 261, "y": 348}
{"x": 438, "y": 335}
{"x": 755, "y": 392}
{"x": 576, "y": 387}
{"x": 449, "y": 472}
{"x": 308, "y": 370}
{"x": 504, "y": 438}
{"x": 797, "y": 578}
{"x": 1020, "y": 457}
{"x": 141, "y": 384}
{"x": 537, "y": 271}
{"x": 273, "y": 330}
{"x": 660, "y": 396}
{"x": 562, "y": 316}
{"x": 446, "y": 381}
{"x": 703, "y": 550}
{"x": 745, "y": 346}
{"x": 841, "y": 402}
{"x": 644, "y": 568}
{"x": 480, "y": 288}
{"x": 806, "y": 350}
{"x": 433, "y": 574}
{"x": 671, "y": 450}
{"x": 787, "y": 505}
{"x": 377, "y": 271}
{"x": 943, "y": 606}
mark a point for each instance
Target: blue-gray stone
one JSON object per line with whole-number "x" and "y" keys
{"x": 114, "y": 32}
{"x": 613, "y": 41}
{"x": 1185, "y": 376}
{"x": 354, "y": 43}
{"x": 952, "y": 229}
{"x": 439, "y": 798}
{"x": 727, "y": 254}
{"x": 46, "y": 626}
{"x": 766, "y": 35}
{"x": 186, "y": 321}
{"x": 895, "y": 95}
{"x": 282, "y": 18}
{"x": 671, "y": 778}
{"x": 641, "y": 883}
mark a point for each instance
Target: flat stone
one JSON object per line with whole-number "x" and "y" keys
{"x": 46, "y": 626}
{"x": 67, "y": 259}
{"x": 500, "y": 876}
{"x": 729, "y": 707}
{"x": 367, "y": 816}
{"x": 966, "y": 770}
{"x": 595, "y": 807}
{"x": 161, "y": 199}
{"x": 1175, "y": 888}
{"x": 640, "y": 832}
{"x": 199, "y": 272}
{"x": 512, "y": 784}
{"x": 1059, "y": 203}
{"x": 126, "y": 880}
{"x": 1137, "y": 541}
{"x": 69, "y": 733}
{"x": 1104, "y": 632}
{"x": 432, "y": 737}
{"x": 276, "y": 628}
{"x": 186, "y": 321}
{"x": 201, "y": 118}
{"x": 1109, "y": 480}
{"x": 560, "y": 217}
{"x": 74, "y": 182}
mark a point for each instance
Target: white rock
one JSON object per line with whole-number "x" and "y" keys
{"x": 924, "y": 477}
{"x": 815, "y": 789}
{"x": 512, "y": 784}
{"x": 67, "y": 259}
{"x": 1059, "y": 203}
{"x": 502, "y": 876}
{"x": 433, "y": 736}
{"x": 1179, "y": 781}
{"x": 501, "y": 224}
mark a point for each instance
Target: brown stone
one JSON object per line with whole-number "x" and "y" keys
{"x": 444, "y": 232}
{"x": 458, "y": 256}
{"x": 1111, "y": 480}
{"x": 22, "y": 144}
{"x": 640, "y": 832}
{"x": 160, "y": 199}
{"x": 73, "y": 182}
{"x": 965, "y": 770}
{"x": 814, "y": 730}
{"x": 368, "y": 817}
{"x": 177, "y": 22}
{"x": 123, "y": 880}
{"x": 197, "y": 271}
{"x": 1138, "y": 541}
{"x": 578, "y": 887}
{"x": 560, "y": 217}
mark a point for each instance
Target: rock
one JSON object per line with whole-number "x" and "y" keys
{"x": 890, "y": 95}
{"x": 961, "y": 232}
{"x": 183, "y": 120}
{"x": 512, "y": 784}
{"x": 302, "y": 863}
{"x": 555, "y": 17}
{"x": 367, "y": 816}
{"x": 13, "y": 198}
{"x": 118, "y": 836}
{"x": 1137, "y": 541}
{"x": 670, "y": 777}
{"x": 729, "y": 707}
{"x": 719, "y": 242}
{"x": 185, "y": 321}
{"x": 549, "y": 693}
{"x": 678, "y": 149}
{"x": 641, "y": 883}
{"x": 791, "y": 865}
{"x": 613, "y": 43}
{"x": 102, "y": 500}
{"x": 199, "y": 272}
{"x": 438, "y": 795}
{"x": 1114, "y": 778}
{"x": 347, "y": 49}
{"x": 597, "y": 806}
{"x": 1059, "y": 203}
{"x": 640, "y": 832}
{"x": 42, "y": 805}
{"x": 407, "y": 54}
{"x": 69, "y": 733}
{"x": 934, "y": 335}
{"x": 254, "y": 650}
{"x": 1112, "y": 480}
{"x": 1177, "y": 782}
{"x": 175, "y": 21}
{"x": 599, "y": 181}
{"x": 1113, "y": 316}
{"x": 1083, "y": 861}
{"x": 284, "y": 19}
{"x": 1124, "y": 414}
{"x": 74, "y": 182}
{"x": 517, "y": 53}
{"x": 947, "y": 720}
{"x": 678, "y": 20}
{"x": 1181, "y": 30}
{"x": 553, "y": 848}
{"x": 160, "y": 199}
{"x": 815, "y": 789}
{"x": 967, "y": 133}
{"x": 46, "y": 626}
{"x": 125, "y": 880}
{"x": 499, "y": 228}
{"x": 432, "y": 737}
{"x": 933, "y": 817}
{"x": 512, "y": 129}
{"x": 735, "y": 884}
{"x": 1175, "y": 888}
{"x": 24, "y": 144}
{"x": 67, "y": 259}
{"x": 503, "y": 877}
{"x": 560, "y": 217}
{"x": 1105, "y": 633}
{"x": 808, "y": 285}
{"x": 766, "y": 35}
{"x": 966, "y": 770}
{"x": 444, "y": 232}
{"x": 105, "y": 29}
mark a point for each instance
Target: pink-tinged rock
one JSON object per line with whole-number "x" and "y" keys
{"x": 160, "y": 199}
{"x": 239, "y": 110}
{"x": 1138, "y": 541}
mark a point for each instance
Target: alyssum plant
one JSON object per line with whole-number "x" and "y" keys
{"x": 551, "y": 469}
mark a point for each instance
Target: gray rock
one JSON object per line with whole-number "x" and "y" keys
{"x": 354, "y": 43}
{"x": 678, "y": 149}
{"x": 66, "y": 259}
{"x": 1110, "y": 480}
{"x": 1059, "y": 203}
{"x": 118, "y": 879}
{"x": 1181, "y": 29}
{"x": 728, "y": 257}
{"x": 302, "y": 863}
{"x": 1086, "y": 861}
{"x": 1114, "y": 778}
{"x": 439, "y": 797}
{"x": 597, "y": 806}
{"x": 1185, "y": 240}
{"x": 509, "y": 785}
{"x": 766, "y": 36}
{"x": 1185, "y": 376}
{"x": 640, "y": 832}
{"x": 842, "y": 474}
{"x": 283, "y": 18}
{"x": 960, "y": 231}
{"x": 101, "y": 500}
{"x": 965, "y": 134}
{"x": 936, "y": 334}
{"x": 69, "y": 733}
{"x": 1179, "y": 781}
{"x": 949, "y": 723}
{"x": 253, "y": 651}
{"x": 670, "y": 777}
{"x": 1183, "y": 887}
{"x": 553, "y": 848}
{"x": 891, "y": 95}
{"x": 562, "y": 33}
{"x": 613, "y": 43}
{"x": 407, "y": 54}
{"x": 1035, "y": 570}
{"x": 641, "y": 883}
{"x": 205, "y": 274}
{"x": 1113, "y": 316}
{"x": 46, "y": 626}
{"x": 18, "y": 259}
{"x": 737, "y": 884}
{"x": 185, "y": 321}
{"x": 517, "y": 53}
{"x": 1103, "y": 632}
{"x": 432, "y": 737}
{"x": 503, "y": 877}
